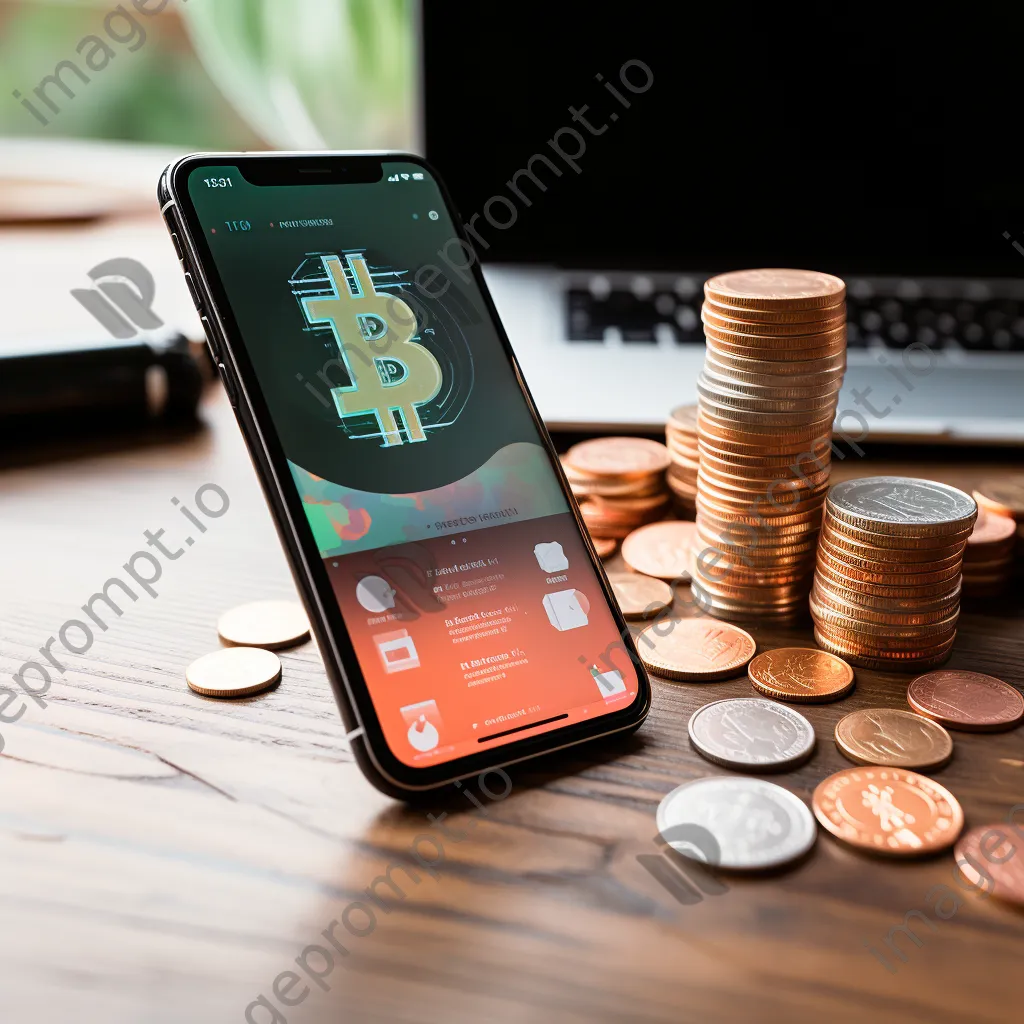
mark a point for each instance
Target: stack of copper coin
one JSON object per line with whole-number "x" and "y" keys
{"x": 619, "y": 483}
{"x": 681, "y": 441}
{"x": 776, "y": 353}
{"x": 988, "y": 557}
{"x": 1005, "y": 497}
{"x": 887, "y": 584}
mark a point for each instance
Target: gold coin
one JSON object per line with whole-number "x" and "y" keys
{"x": 269, "y": 624}
{"x": 234, "y": 672}
{"x": 801, "y": 675}
{"x": 639, "y": 596}
{"x": 775, "y": 288}
{"x": 893, "y": 738}
{"x": 696, "y": 649}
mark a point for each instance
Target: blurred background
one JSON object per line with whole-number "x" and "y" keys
{"x": 99, "y": 97}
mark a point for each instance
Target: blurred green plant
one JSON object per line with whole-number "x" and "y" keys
{"x": 157, "y": 93}
{"x": 306, "y": 74}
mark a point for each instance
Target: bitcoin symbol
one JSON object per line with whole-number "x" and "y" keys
{"x": 366, "y": 324}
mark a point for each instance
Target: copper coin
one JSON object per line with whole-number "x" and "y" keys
{"x": 990, "y": 857}
{"x": 888, "y": 810}
{"x": 1004, "y": 496}
{"x": 800, "y": 674}
{"x": 991, "y": 528}
{"x": 884, "y": 661}
{"x": 697, "y": 650}
{"x": 765, "y": 328}
{"x": 661, "y": 550}
{"x": 775, "y": 289}
{"x": 776, "y": 316}
{"x": 234, "y": 672}
{"x": 268, "y": 624}
{"x": 619, "y": 456}
{"x": 970, "y": 701}
{"x": 639, "y": 596}
{"x": 893, "y": 738}
{"x": 604, "y": 546}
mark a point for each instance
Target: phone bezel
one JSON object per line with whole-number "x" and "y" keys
{"x": 338, "y": 653}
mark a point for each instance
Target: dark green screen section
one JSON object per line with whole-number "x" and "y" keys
{"x": 268, "y": 261}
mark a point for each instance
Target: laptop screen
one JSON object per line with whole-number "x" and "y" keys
{"x": 705, "y": 137}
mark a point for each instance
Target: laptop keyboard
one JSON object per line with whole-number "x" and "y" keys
{"x": 978, "y": 316}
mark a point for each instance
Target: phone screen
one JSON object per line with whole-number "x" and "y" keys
{"x": 470, "y": 599}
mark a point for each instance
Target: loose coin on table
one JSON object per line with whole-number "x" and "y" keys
{"x": 801, "y": 674}
{"x": 737, "y": 823}
{"x": 751, "y": 733}
{"x": 697, "y": 650}
{"x": 639, "y": 596}
{"x": 234, "y": 672}
{"x": 269, "y": 624}
{"x": 990, "y": 858}
{"x": 604, "y": 546}
{"x": 888, "y": 810}
{"x": 893, "y": 738}
{"x": 1004, "y": 496}
{"x": 969, "y": 701}
{"x": 661, "y": 549}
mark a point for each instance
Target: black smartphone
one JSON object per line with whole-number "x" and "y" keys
{"x": 464, "y": 619}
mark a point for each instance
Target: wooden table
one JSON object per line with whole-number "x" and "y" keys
{"x": 165, "y": 856}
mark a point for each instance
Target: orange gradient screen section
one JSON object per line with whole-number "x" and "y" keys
{"x": 469, "y": 641}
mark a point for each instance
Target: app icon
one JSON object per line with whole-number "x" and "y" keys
{"x": 397, "y": 651}
{"x": 610, "y": 682}
{"x": 424, "y": 721}
{"x": 567, "y": 609}
{"x": 551, "y": 557}
{"x": 375, "y": 594}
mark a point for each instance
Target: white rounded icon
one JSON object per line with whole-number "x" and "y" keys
{"x": 375, "y": 594}
{"x": 423, "y": 735}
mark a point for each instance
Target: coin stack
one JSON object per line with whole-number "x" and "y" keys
{"x": 887, "y": 583}
{"x": 1005, "y": 497}
{"x": 988, "y": 557}
{"x": 776, "y": 353}
{"x": 619, "y": 483}
{"x": 681, "y": 441}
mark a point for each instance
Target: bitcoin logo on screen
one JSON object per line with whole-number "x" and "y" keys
{"x": 389, "y": 373}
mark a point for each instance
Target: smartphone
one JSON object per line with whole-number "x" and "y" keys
{"x": 464, "y": 619}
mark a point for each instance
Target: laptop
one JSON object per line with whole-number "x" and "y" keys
{"x": 607, "y": 160}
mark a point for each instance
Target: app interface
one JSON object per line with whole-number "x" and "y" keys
{"x": 458, "y": 569}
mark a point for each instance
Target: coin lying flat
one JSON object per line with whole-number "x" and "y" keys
{"x": 698, "y": 650}
{"x": 234, "y": 672}
{"x": 661, "y": 550}
{"x": 604, "y": 546}
{"x": 970, "y": 701}
{"x": 893, "y": 738}
{"x": 268, "y": 624}
{"x": 888, "y": 810}
{"x": 990, "y": 858}
{"x": 619, "y": 456}
{"x": 801, "y": 674}
{"x": 750, "y": 824}
{"x": 639, "y": 596}
{"x": 775, "y": 288}
{"x": 751, "y": 733}
{"x": 1004, "y": 496}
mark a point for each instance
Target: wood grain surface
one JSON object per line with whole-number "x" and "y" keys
{"x": 165, "y": 857}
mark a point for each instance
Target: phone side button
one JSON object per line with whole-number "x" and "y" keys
{"x": 211, "y": 339}
{"x": 177, "y": 247}
{"x": 229, "y": 387}
{"x": 196, "y": 301}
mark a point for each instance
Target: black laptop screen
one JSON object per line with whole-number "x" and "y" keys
{"x": 843, "y": 137}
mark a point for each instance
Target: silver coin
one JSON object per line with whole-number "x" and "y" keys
{"x": 901, "y": 503}
{"x": 736, "y": 822}
{"x": 751, "y": 733}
